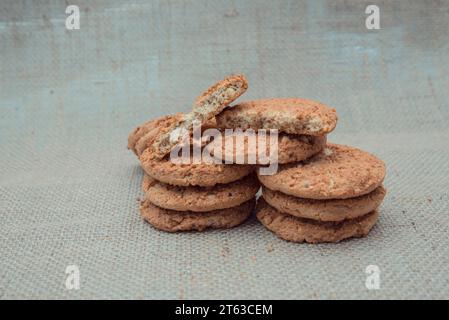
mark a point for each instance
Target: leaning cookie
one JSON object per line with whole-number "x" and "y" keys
{"x": 296, "y": 229}
{"x": 173, "y": 221}
{"x": 325, "y": 210}
{"x": 149, "y": 129}
{"x": 138, "y": 133}
{"x": 206, "y": 106}
{"x": 153, "y": 128}
{"x": 200, "y": 199}
{"x": 237, "y": 148}
{"x": 337, "y": 172}
{"x": 189, "y": 174}
{"x": 289, "y": 115}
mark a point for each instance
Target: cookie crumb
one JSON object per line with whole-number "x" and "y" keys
{"x": 270, "y": 247}
{"x": 327, "y": 152}
{"x": 225, "y": 251}
{"x": 314, "y": 124}
{"x": 231, "y": 13}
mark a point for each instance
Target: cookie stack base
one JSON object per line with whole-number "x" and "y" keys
{"x": 296, "y": 229}
{"x": 174, "y": 221}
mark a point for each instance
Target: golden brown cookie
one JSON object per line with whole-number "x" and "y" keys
{"x": 144, "y": 138}
{"x": 200, "y": 199}
{"x": 290, "y": 148}
{"x": 296, "y": 229}
{"x": 325, "y": 210}
{"x": 138, "y": 133}
{"x": 206, "y": 106}
{"x": 192, "y": 174}
{"x": 173, "y": 221}
{"x": 148, "y": 130}
{"x": 337, "y": 172}
{"x": 289, "y": 115}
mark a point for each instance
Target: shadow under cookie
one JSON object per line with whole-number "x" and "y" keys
{"x": 174, "y": 221}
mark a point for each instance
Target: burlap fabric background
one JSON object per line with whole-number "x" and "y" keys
{"x": 69, "y": 186}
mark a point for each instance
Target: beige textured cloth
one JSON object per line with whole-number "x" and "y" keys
{"x": 69, "y": 187}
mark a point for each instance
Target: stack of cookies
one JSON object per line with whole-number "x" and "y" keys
{"x": 330, "y": 197}
{"x": 192, "y": 196}
{"x": 319, "y": 192}
{"x": 301, "y": 126}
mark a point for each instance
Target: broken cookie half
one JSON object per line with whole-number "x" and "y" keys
{"x": 206, "y": 106}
